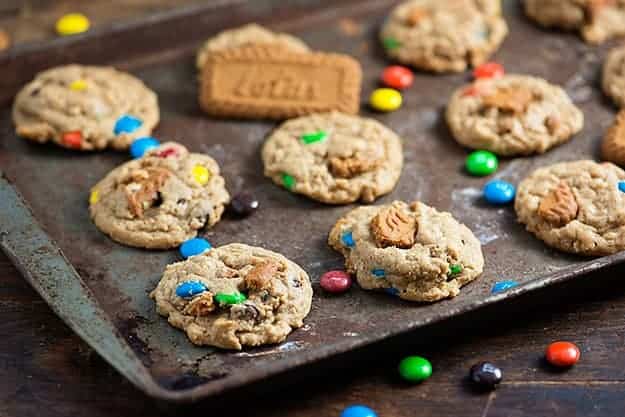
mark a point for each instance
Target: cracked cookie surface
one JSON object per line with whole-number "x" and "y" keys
{"x": 334, "y": 158}
{"x": 272, "y": 296}
{"x": 411, "y": 250}
{"x": 444, "y": 36}
{"x": 80, "y": 107}
{"x": 596, "y": 20}
{"x": 513, "y": 115}
{"x": 161, "y": 199}
{"x": 246, "y": 35}
{"x": 576, "y": 207}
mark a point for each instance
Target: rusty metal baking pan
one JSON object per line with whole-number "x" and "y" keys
{"x": 100, "y": 289}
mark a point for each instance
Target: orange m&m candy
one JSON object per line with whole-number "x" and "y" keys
{"x": 562, "y": 354}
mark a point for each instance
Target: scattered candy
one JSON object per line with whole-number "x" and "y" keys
{"x": 201, "y": 174}
{"x": 190, "y": 289}
{"x": 73, "y": 139}
{"x": 309, "y": 138}
{"x": 336, "y": 281}
{"x": 391, "y": 291}
{"x": 288, "y": 181}
{"x": 194, "y": 246}
{"x": 72, "y": 24}
{"x": 234, "y": 298}
{"x": 127, "y": 124}
{"x": 397, "y": 77}
{"x": 562, "y": 354}
{"x": 499, "y": 192}
{"x": 415, "y": 369}
{"x": 348, "y": 239}
{"x": 244, "y": 204}
{"x": 481, "y": 163}
{"x": 621, "y": 186}
{"x": 489, "y": 70}
{"x": 78, "y": 85}
{"x": 503, "y": 286}
{"x": 378, "y": 272}
{"x": 391, "y": 43}
{"x": 485, "y": 375}
{"x": 94, "y": 197}
{"x": 140, "y": 146}
{"x": 385, "y": 99}
{"x": 358, "y": 411}
{"x": 455, "y": 269}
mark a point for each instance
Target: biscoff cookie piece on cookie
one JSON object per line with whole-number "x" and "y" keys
{"x": 576, "y": 207}
{"x": 444, "y": 36}
{"x": 161, "y": 199}
{"x": 86, "y": 108}
{"x": 410, "y": 250}
{"x": 334, "y": 158}
{"x": 234, "y": 296}
{"x": 512, "y": 115}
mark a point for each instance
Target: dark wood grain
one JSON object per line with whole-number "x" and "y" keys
{"x": 45, "y": 370}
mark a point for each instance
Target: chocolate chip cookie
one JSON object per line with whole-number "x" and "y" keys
{"x": 86, "y": 108}
{"x": 334, "y": 158}
{"x": 410, "y": 250}
{"x": 576, "y": 207}
{"x": 159, "y": 200}
{"x": 597, "y": 20}
{"x": 444, "y": 36}
{"x": 513, "y": 115}
{"x": 251, "y": 33}
{"x": 613, "y": 80}
{"x": 234, "y": 296}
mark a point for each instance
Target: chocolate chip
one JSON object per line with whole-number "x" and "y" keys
{"x": 158, "y": 200}
{"x": 35, "y": 92}
{"x": 181, "y": 201}
{"x": 245, "y": 311}
{"x": 243, "y": 204}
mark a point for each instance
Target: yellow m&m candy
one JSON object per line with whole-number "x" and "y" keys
{"x": 94, "y": 197}
{"x": 72, "y": 24}
{"x": 385, "y": 99}
{"x": 78, "y": 85}
{"x": 201, "y": 174}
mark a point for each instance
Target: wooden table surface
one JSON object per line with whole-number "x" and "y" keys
{"x": 45, "y": 370}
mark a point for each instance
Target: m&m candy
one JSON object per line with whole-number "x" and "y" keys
{"x": 78, "y": 85}
{"x": 230, "y": 299}
{"x": 335, "y": 281}
{"x": 348, "y": 239}
{"x": 72, "y": 24}
{"x": 489, "y": 70}
{"x": 485, "y": 375}
{"x": 94, "y": 197}
{"x": 201, "y": 174}
{"x": 499, "y": 192}
{"x": 127, "y": 124}
{"x": 502, "y": 286}
{"x": 358, "y": 411}
{"x": 244, "y": 204}
{"x": 385, "y": 99}
{"x": 562, "y": 354}
{"x": 621, "y": 186}
{"x": 73, "y": 139}
{"x": 194, "y": 247}
{"x": 415, "y": 369}
{"x": 190, "y": 289}
{"x": 397, "y": 77}
{"x": 288, "y": 181}
{"x": 314, "y": 137}
{"x": 140, "y": 146}
{"x": 481, "y": 163}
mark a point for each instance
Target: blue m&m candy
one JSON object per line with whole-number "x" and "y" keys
{"x": 502, "y": 286}
{"x": 194, "y": 246}
{"x": 621, "y": 186}
{"x": 140, "y": 146}
{"x": 358, "y": 411}
{"x": 347, "y": 239}
{"x": 499, "y": 192}
{"x": 127, "y": 124}
{"x": 190, "y": 289}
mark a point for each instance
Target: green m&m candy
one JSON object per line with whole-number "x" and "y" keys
{"x": 288, "y": 181}
{"x": 234, "y": 298}
{"x": 415, "y": 369}
{"x": 481, "y": 163}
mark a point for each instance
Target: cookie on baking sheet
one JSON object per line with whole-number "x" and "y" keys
{"x": 251, "y": 33}
{"x": 159, "y": 200}
{"x": 597, "y": 20}
{"x": 512, "y": 115}
{"x": 86, "y": 108}
{"x": 234, "y": 296}
{"x": 613, "y": 80}
{"x": 444, "y": 36}
{"x": 575, "y": 206}
{"x": 411, "y": 250}
{"x": 271, "y": 82}
{"x": 334, "y": 158}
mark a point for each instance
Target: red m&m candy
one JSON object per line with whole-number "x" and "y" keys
{"x": 73, "y": 139}
{"x": 562, "y": 354}
{"x": 336, "y": 281}
{"x": 397, "y": 77}
{"x": 489, "y": 70}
